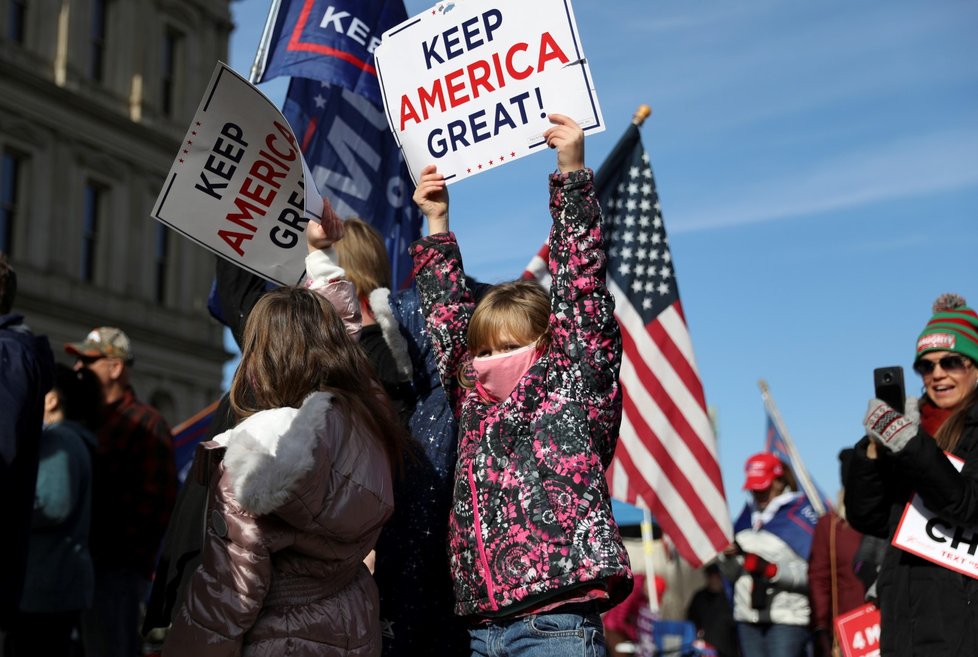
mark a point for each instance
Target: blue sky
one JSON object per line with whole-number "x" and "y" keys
{"x": 817, "y": 167}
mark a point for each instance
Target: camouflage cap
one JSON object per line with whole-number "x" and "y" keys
{"x": 105, "y": 341}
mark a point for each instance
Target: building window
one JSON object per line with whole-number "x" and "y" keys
{"x": 172, "y": 44}
{"x": 94, "y": 202}
{"x": 162, "y": 253}
{"x": 97, "y": 40}
{"x": 10, "y": 181}
{"x": 17, "y": 21}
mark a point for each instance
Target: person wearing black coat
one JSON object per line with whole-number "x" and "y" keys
{"x": 927, "y": 610}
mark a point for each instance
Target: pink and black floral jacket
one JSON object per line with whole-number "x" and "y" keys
{"x": 531, "y": 519}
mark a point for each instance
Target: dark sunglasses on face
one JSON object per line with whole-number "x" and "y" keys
{"x": 88, "y": 360}
{"x": 947, "y": 363}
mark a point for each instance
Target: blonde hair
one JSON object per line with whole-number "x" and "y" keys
{"x": 363, "y": 255}
{"x": 295, "y": 343}
{"x": 518, "y": 308}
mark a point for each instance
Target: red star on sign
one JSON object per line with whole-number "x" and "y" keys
{"x": 468, "y": 171}
{"x": 480, "y": 167}
{"x": 501, "y": 158}
{"x": 181, "y": 161}
{"x": 490, "y": 162}
{"x": 513, "y": 154}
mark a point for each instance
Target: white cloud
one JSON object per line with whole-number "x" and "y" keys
{"x": 912, "y": 167}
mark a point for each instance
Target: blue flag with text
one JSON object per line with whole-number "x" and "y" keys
{"x": 335, "y": 110}
{"x": 356, "y": 164}
{"x": 776, "y": 444}
{"x": 328, "y": 40}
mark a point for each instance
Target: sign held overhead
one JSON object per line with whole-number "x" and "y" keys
{"x": 238, "y": 185}
{"x": 468, "y": 85}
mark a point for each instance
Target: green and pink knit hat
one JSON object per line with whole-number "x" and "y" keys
{"x": 953, "y": 327}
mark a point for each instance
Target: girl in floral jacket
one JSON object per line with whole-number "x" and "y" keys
{"x": 535, "y": 552}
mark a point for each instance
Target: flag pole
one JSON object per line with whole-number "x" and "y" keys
{"x": 261, "y": 55}
{"x": 799, "y": 466}
{"x": 647, "y": 545}
{"x": 643, "y": 112}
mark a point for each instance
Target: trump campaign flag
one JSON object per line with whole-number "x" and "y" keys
{"x": 334, "y": 108}
{"x": 328, "y": 40}
{"x": 666, "y": 459}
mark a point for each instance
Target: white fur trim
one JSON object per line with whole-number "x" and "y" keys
{"x": 322, "y": 266}
{"x": 271, "y": 451}
{"x": 380, "y": 305}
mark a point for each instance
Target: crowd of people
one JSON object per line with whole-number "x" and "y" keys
{"x": 422, "y": 472}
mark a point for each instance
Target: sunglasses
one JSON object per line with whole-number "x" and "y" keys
{"x": 947, "y": 363}
{"x": 88, "y": 360}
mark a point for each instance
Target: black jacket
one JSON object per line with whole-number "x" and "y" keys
{"x": 26, "y": 374}
{"x": 927, "y": 610}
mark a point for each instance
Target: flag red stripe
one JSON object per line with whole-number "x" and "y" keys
{"x": 657, "y": 447}
{"x": 661, "y": 455}
{"x": 671, "y": 410}
{"x": 683, "y": 367}
{"x": 672, "y": 529}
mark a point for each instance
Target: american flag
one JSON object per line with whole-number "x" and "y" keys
{"x": 666, "y": 458}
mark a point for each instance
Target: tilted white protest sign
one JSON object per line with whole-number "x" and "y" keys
{"x": 237, "y": 186}
{"x": 468, "y": 84}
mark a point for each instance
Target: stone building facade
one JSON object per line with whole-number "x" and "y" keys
{"x": 95, "y": 97}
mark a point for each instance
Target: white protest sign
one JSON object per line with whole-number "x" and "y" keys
{"x": 468, "y": 84}
{"x": 237, "y": 186}
{"x": 924, "y": 533}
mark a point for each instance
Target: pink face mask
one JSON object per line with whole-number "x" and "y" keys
{"x": 498, "y": 375}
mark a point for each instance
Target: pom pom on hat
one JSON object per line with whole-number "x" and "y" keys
{"x": 948, "y": 302}
{"x": 953, "y": 327}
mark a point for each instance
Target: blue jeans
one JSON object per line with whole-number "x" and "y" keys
{"x": 551, "y": 634}
{"x": 772, "y": 640}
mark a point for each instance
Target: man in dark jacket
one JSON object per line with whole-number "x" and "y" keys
{"x": 134, "y": 489}
{"x": 26, "y": 374}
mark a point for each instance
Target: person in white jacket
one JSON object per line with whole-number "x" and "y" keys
{"x": 768, "y": 562}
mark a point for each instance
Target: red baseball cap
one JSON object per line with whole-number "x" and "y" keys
{"x": 762, "y": 469}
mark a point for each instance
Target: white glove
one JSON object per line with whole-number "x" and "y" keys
{"x": 888, "y": 427}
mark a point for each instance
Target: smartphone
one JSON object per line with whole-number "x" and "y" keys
{"x": 888, "y": 382}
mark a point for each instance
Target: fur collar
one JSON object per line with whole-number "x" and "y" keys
{"x": 270, "y": 452}
{"x": 380, "y": 305}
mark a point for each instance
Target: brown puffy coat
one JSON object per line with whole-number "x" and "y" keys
{"x": 295, "y": 506}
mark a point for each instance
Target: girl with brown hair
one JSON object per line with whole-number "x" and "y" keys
{"x": 305, "y": 483}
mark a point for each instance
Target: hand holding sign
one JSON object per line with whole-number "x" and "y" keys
{"x": 431, "y": 196}
{"x": 568, "y": 138}
{"x": 327, "y": 232}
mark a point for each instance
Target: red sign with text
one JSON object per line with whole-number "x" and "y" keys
{"x": 858, "y": 631}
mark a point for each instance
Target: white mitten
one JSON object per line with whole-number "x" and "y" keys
{"x": 890, "y": 428}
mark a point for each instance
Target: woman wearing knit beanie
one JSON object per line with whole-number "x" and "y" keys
{"x": 926, "y": 609}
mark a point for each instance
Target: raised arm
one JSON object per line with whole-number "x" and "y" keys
{"x": 585, "y": 331}
{"x": 446, "y": 301}
{"x": 323, "y": 273}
